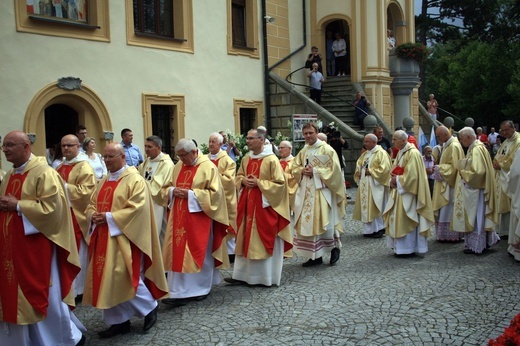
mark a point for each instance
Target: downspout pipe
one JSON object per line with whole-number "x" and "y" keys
{"x": 268, "y": 69}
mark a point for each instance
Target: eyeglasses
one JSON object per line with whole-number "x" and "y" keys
{"x": 10, "y": 145}
{"x": 180, "y": 156}
{"x": 251, "y": 138}
{"x": 283, "y": 147}
{"x": 106, "y": 157}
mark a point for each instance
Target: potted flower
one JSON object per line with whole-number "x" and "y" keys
{"x": 416, "y": 51}
{"x": 511, "y": 335}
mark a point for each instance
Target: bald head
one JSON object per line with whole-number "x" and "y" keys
{"x": 114, "y": 155}
{"x": 322, "y": 137}
{"x": 70, "y": 146}
{"x": 443, "y": 134}
{"x": 17, "y": 148}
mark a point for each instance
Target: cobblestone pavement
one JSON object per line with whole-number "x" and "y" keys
{"x": 369, "y": 298}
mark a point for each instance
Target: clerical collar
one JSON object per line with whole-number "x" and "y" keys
{"x": 373, "y": 149}
{"x": 316, "y": 144}
{"x": 115, "y": 175}
{"x": 266, "y": 151}
{"x": 157, "y": 158}
{"x": 19, "y": 170}
{"x": 214, "y": 156}
{"x": 445, "y": 144}
{"x": 286, "y": 158}
{"x": 80, "y": 157}
{"x": 193, "y": 163}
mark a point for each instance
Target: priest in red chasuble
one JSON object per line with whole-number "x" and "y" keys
{"x": 38, "y": 253}
{"x": 263, "y": 232}
{"x": 80, "y": 183}
{"x": 195, "y": 242}
{"x": 227, "y": 169}
{"x": 125, "y": 275}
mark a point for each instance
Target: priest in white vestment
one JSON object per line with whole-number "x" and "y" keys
{"x": 373, "y": 178}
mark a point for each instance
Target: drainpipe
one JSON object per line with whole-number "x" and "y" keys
{"x": 268, "y": 69}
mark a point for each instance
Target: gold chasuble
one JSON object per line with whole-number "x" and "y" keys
{"x": 115, "y": 261}
{"x": 405, "y": 212}
{"x": 263, "y": 210}
{"x": 313, "y": 203}
{"x": 187, "y": 233}
{"x": 81, "y": 183}
{"x": 475, "y": 172}
{"x": 452, "y": 153}
{"x": 227, "y": 168}
{"x": 504, "y": 158}
{"x": 25, "y": 260}
{"x": 292, "y": 183}
{"x": 372, "y": 189}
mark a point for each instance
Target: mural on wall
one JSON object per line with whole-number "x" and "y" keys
{"x": 75, "y": 10}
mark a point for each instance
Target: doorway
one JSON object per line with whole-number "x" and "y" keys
{"x": 331, "y": 29}
{"x": 60, "y": 120}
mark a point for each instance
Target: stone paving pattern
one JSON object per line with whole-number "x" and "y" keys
{"x": 369, "y": 298}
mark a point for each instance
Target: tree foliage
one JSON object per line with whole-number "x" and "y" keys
{"x": 474, "y": 69}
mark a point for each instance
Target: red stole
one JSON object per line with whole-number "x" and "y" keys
{"x": 28, "y": 266}
{"x": 268, "y": 222}
{"x": 215, "y": 162}
{"x": 64, "y": 171}
{"x": 284, "y": 164}
{"x": 190, "y": 230}
{"x": 99, "y": 241}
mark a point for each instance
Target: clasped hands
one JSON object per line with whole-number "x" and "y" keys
{"x": 181, "y": 193}
{"x": 99, "y": 218}
{"x": 8, "y": 203}
{"x": 250, "y": 181}
{"x": 393, "y": 181}
{"x": 307, "y": 171}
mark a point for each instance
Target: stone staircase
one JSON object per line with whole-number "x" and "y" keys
{"x": 337, "y": 97}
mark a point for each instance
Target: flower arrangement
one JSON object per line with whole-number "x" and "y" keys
{"x": 240, "y": 143}
{"x": 511, "y": 336}
{"x": 415, "y": 51}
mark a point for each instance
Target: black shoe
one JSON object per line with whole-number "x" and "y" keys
{"x": 78, "y": 299}
{"x": 175, "y": 302}
{"x": 115, "y": 329}
{"x": 334, "y": 256}
{"x": 313, "y": 262}
{"x": 200, "y": 298}
{"x": 81, "y": 341}
{"x": 369, "y": 235}
{"x": 405, "y": 255}
{"x": 470, "y": 252}
{"x": 150, "y": 319}
{"x": 231, "y": 258}
{"x": 378, "y": 234}
{"x": 232, "y": 281}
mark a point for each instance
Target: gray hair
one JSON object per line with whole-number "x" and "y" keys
{"x": 286, "y": 143}
{"x": 401, "y": 134}
{"x": 468, "y": 131}
{"x": 186, "y": 144}
{"x": 372, "y": 137}
{"x": 261, "y": 132}
{"x": 426, "y": 147}
{"x": 508, "y": 122}
{"x": 220, "y": 138}
{"x": 155, "y": 139}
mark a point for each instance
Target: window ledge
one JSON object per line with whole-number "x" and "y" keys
{"x": 244, "y": 48}
{"x": 62, "y": 21}
{"x": 158, "y": 37}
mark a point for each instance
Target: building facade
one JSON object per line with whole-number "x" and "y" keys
{"x": 179, "y": 68}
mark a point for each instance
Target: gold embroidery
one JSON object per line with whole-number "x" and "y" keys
{"x": 104, "y": 205}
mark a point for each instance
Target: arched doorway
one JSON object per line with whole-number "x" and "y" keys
{"x": 60, "y": 120}
{"x": 395, "y": 23}
{"x": 341, "y": 27}
{"x": 54, "y": 112}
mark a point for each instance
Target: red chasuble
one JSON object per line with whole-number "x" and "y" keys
{"x": 25, "y": 262}
{"x": 190, "y": 230}
{"x": 64, "y": 172}
{"x": 267, "y": 221}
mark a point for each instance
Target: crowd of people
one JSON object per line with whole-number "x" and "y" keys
{"x": 120, "y": 232}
